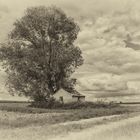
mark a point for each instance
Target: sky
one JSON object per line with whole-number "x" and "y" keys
{"x": 109, "y": 66}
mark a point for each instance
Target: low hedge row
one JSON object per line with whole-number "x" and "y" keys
{"x": 53, "y": 104}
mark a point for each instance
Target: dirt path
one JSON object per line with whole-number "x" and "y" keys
{"x": 128, "y": 129}
{"x": 101, "y": 128}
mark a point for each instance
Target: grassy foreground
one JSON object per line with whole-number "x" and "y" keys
{"x": 19, "y": 121}
{"x": 13, "y": 115}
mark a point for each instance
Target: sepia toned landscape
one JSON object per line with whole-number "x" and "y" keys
{"x": 69, "y": 70}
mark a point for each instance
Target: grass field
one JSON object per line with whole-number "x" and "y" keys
{"x": 17, "y": 114}
{"x": 17, "y": 119}
{"x": 111, "y": 129}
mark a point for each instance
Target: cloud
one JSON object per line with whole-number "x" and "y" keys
{"x": 102, "y": 82}
{"x": 4, "y": 9}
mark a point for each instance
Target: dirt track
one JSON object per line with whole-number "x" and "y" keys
{"x": 103, "y": 128}
{"x": 128, "y": 129}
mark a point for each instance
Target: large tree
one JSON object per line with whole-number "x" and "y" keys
{"x": 40, "y": 54}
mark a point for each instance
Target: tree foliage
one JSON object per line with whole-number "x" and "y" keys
{"x": 40, "y": 54}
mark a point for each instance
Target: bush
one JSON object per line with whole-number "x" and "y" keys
{"x": 53, "y": 104}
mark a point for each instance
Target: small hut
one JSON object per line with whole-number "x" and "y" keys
{"x": 66, "y": 97}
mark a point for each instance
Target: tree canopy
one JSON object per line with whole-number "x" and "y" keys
{"x": 40, "y": 54}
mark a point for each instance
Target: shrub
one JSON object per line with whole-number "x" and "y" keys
{"x": 53, "y": 104}
{"x": 49, "y": 103}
